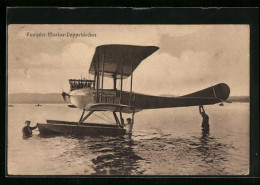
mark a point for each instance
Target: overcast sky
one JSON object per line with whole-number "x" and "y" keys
{"x": 190, "y": 58}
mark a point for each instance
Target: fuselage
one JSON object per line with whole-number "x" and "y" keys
{"x": 83, "y": 97}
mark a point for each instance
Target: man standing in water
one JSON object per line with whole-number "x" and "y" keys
{"x": 27, "y": 130}
{"x": 205, "y": 118}
{"x": 129, "y": 126}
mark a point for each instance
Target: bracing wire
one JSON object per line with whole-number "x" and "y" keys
{"x": 101, "y": 118}
{"x": 107, "y": 116}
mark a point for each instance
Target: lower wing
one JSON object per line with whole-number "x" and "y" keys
{"x": 208, "y": 96}
{"x": 111, "y": 107}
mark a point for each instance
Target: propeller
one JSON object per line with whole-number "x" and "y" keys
{"x": 64, "y": 95}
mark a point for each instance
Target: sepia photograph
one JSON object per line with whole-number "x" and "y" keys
{"x": 128, "y": 99}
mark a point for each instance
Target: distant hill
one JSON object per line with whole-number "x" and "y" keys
{"x": 35, "y": 98}
{"x": 241, "y": 99}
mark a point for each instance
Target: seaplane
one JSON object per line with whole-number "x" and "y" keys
{"x": 119, "y": 62}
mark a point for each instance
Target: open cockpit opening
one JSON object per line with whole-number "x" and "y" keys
{"x": 80, "y": 83}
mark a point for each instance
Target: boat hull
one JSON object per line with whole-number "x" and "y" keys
{"x": 71, "y": 128}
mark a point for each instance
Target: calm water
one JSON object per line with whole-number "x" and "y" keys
{"x": 164, "y": 142}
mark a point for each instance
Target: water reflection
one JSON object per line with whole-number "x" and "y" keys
{"x": 119, "y": 158}
{"x": 204, "y": 133}
{"x": 204, "y": 147}
{"x": 213, "y": 153}
{"x": 110, "y": 156}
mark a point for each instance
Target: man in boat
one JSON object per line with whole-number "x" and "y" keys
{"x": 27, "y": 130}
{"x": 129, "y": 126}
{"x": 205, "y": 118}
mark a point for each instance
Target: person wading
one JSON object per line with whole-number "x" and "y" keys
{"x": 27, "y": 130}
{"x": 129, "y": 126}
{"x": 205, "y": 118}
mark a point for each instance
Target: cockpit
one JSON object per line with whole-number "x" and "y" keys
{"x": 80, "y": 83}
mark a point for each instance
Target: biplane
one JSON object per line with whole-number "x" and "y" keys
{"x": 119, "y": 62}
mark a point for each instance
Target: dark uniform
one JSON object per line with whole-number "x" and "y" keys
{"x": 205, "y": 118}
{"x": 27, "y": 131}
{"x": 205, "y": 121}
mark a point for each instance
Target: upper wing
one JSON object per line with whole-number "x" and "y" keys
{"x": 119, "y": 59}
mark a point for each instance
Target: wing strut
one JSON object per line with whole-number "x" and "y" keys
{"x": 117, "y": 120}
{"x": 82, "y": 115}
{"x": 103, "y": 61}
{"x": 114, "y": 77}
{"x": 121, "y": 85}
{"x": 97, "y": 98}
{"x": 94, "y": 84}
{"x": 83, "y": 119}
{"x": 121, "y": 117}
{"x": 130, "y": 97}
